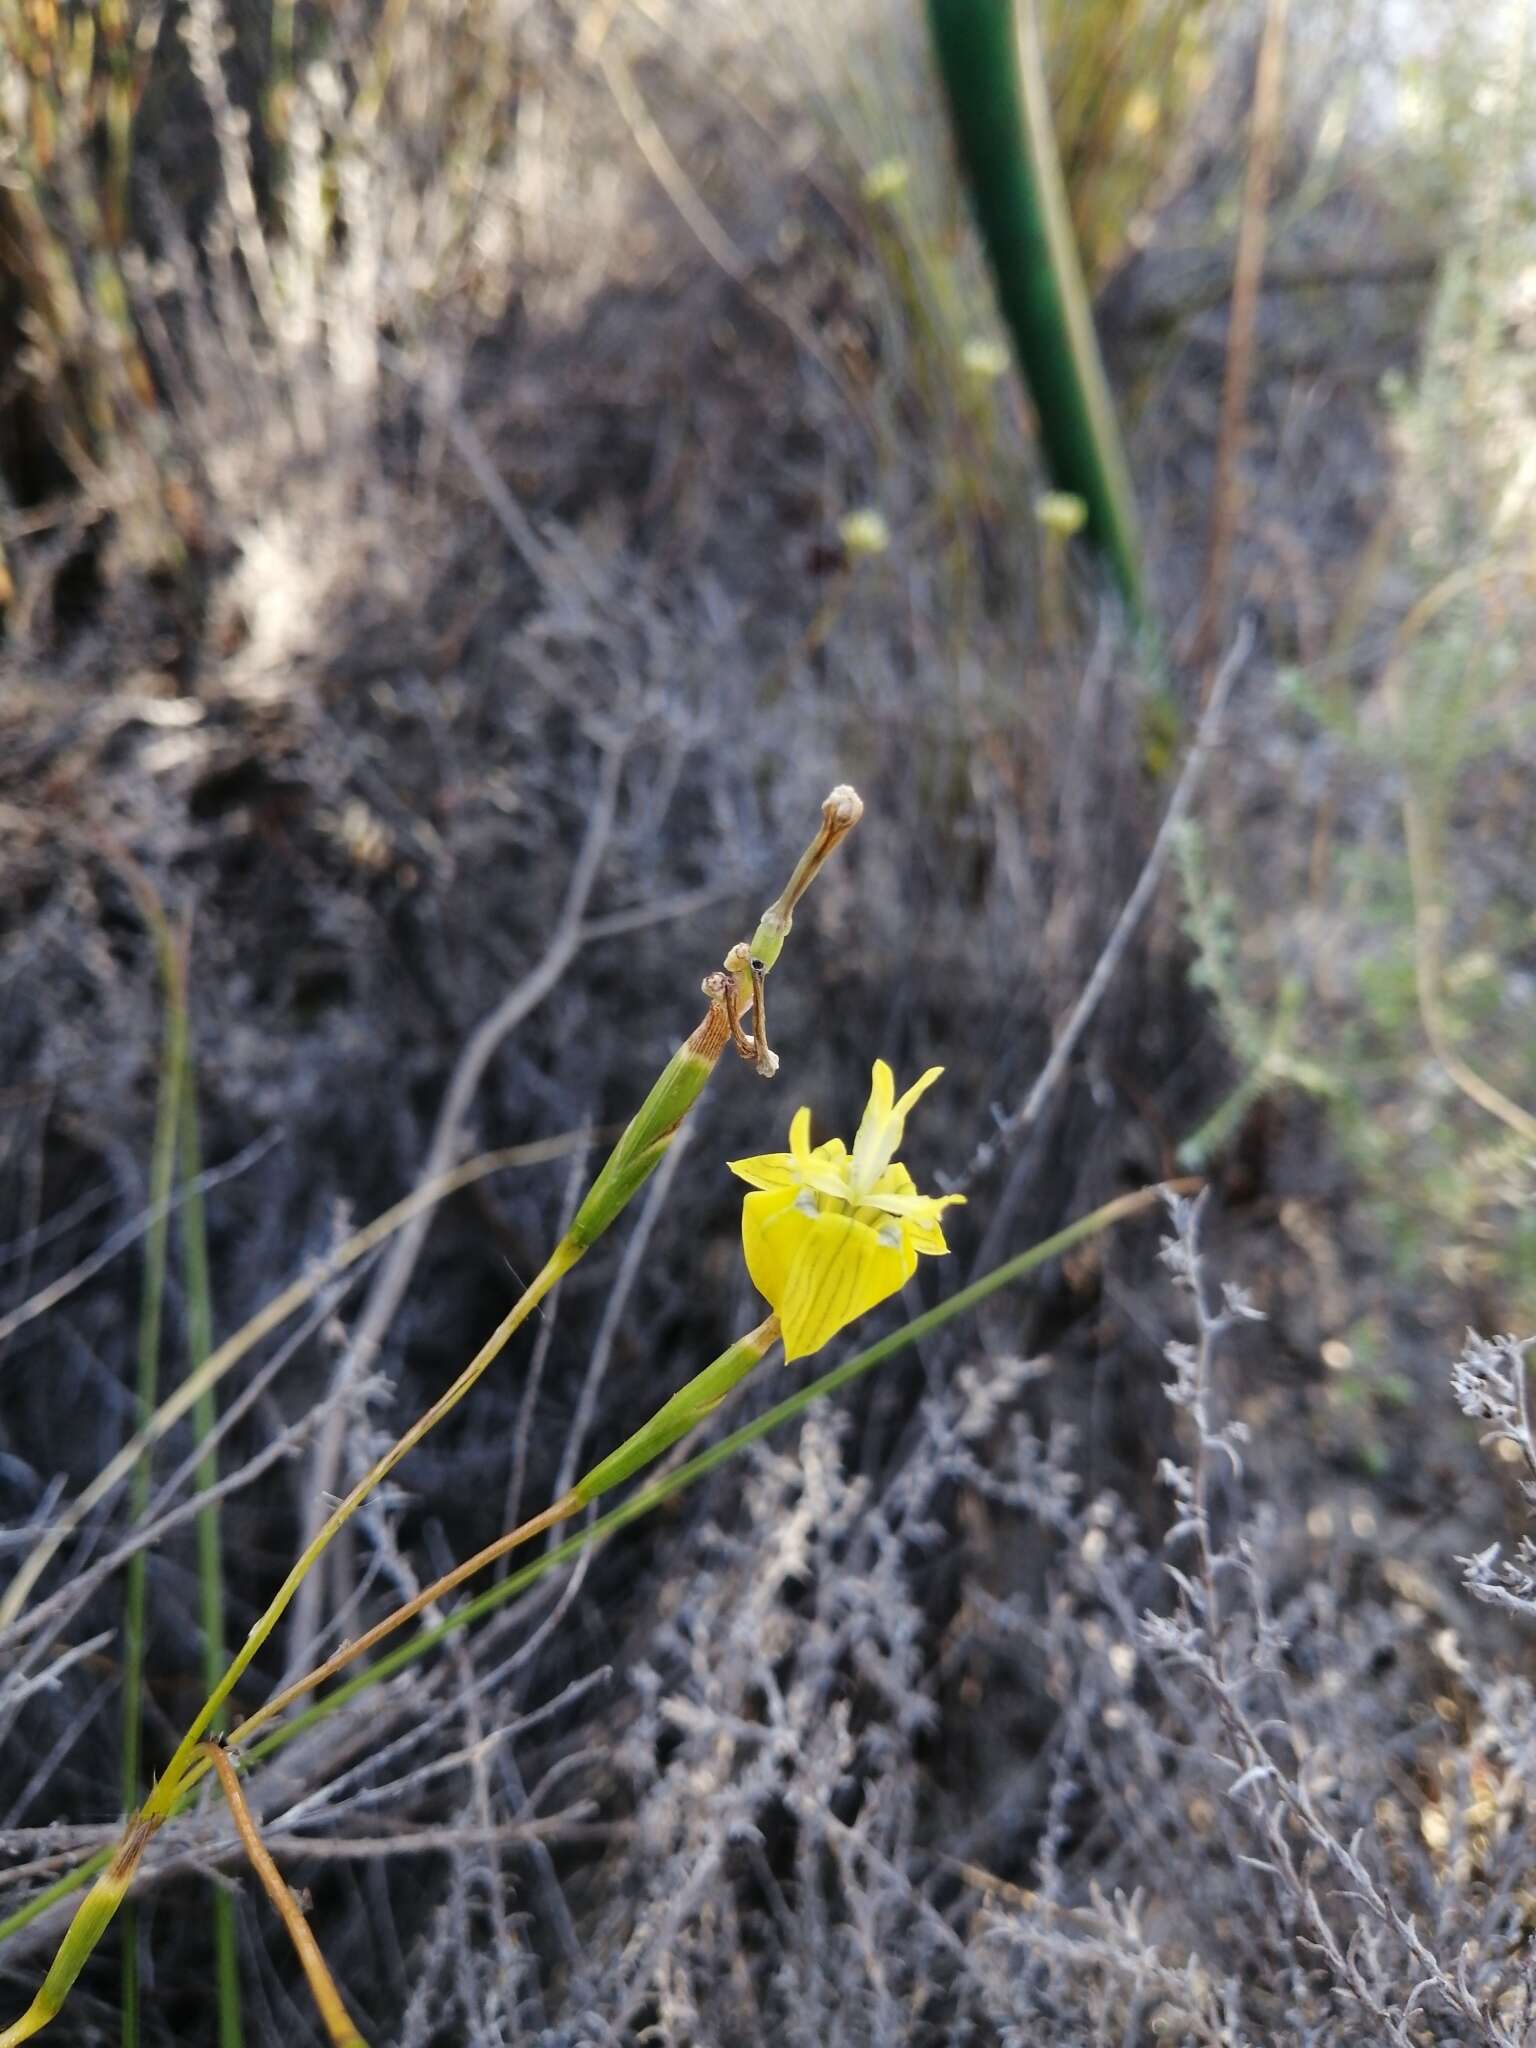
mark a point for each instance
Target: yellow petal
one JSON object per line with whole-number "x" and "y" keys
{"x": 815, "y": 1169}
{"x": 771, "y": 1229}
{"x": 918, "y": 1089}
{"x": 840, "y": 1269}
{"x": 800, "y": 1166}
{"x": 924, "y": 1236}
{"x": 870, "y": 1154}
{"x": 883, "y": 1124}
{"x": 921, "y": 1208}
{"x": 911, "y": 1205}
{"x": 918, "y": 1215}
{"x": 800, "y": 1136}
{"x": 765, "y": 1170}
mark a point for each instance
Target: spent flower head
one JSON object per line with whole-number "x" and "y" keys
{"x": 863, "y": 533}
{"x": 984, "y": 359}
{"x": 882, "y": 181}
{"x": 830, "y": 1233}
{"x": 1061, "y": 513}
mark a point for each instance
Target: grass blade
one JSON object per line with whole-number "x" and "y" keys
{"x": 162, "y": 1170}
{"x": 210, "y": 1559}
{"x": 638, "y": 1504}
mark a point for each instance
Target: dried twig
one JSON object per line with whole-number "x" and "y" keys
{"x": 1429, "y": 912}
{"x": 394, "y": 1275}
{"x": 276, "y": 1312}
{"x": 322, "y": 1985}
{"x": 1115, "y": 946}
{"x": 58, "y": 1290}
{"x": 1263, "y": 142}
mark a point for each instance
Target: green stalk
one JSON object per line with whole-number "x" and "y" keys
{"x": 283, "y": 1305}
{"x": 280, "y": 76}
{"x": 639, "y": 1151}
{"x": 162, "y": 1799}
{"x": 210, "y": 1560}
{"x": 631, "y": 1163}
{"x": 161, "y": 1177}
{"x": 989, "y": 59}
{"x": 96, "y": 1910}
{"x": 91, "y": 1921}
{"x": 675, "y": 1418}
{"x": 665, "y": 1489}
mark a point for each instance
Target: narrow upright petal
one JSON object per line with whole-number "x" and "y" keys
{"x": 870, "y": 1157}
{"x": 915, "y": 1093}
{"x": 884, "y": 1123}
{"x": 821, "y": 1169}
{"x": 800, "y": 1135}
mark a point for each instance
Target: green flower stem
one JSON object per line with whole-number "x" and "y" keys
{"x": 639, "y": 1504}
{"x": 90, "y": 1923}
{"x": 51, "y": 1894}
{"x": 675, "y": 1418}
{"x": 210, "y": 1555}
{"x": 162, "y": 1799}
{"x": 631, "y": 1163}
{"x": 162, "y": 1174}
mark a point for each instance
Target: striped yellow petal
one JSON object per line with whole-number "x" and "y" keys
{"x": 814, "y": 1169}
{"x": 765, "y": 1170}
{"x": 918, "y": 1216}
{"x": 840, "y": 1269}
{"x": 921, "y": 1229}
{"x": 924, "y": 1235}
{"x": 772, "y": 1226}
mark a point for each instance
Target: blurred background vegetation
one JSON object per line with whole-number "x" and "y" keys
{"x": 403, "y": 407}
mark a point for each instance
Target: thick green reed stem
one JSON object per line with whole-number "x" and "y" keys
{"x": 989, "y": 58}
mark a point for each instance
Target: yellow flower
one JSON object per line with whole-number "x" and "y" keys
{"x": 830, "y": 1233}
